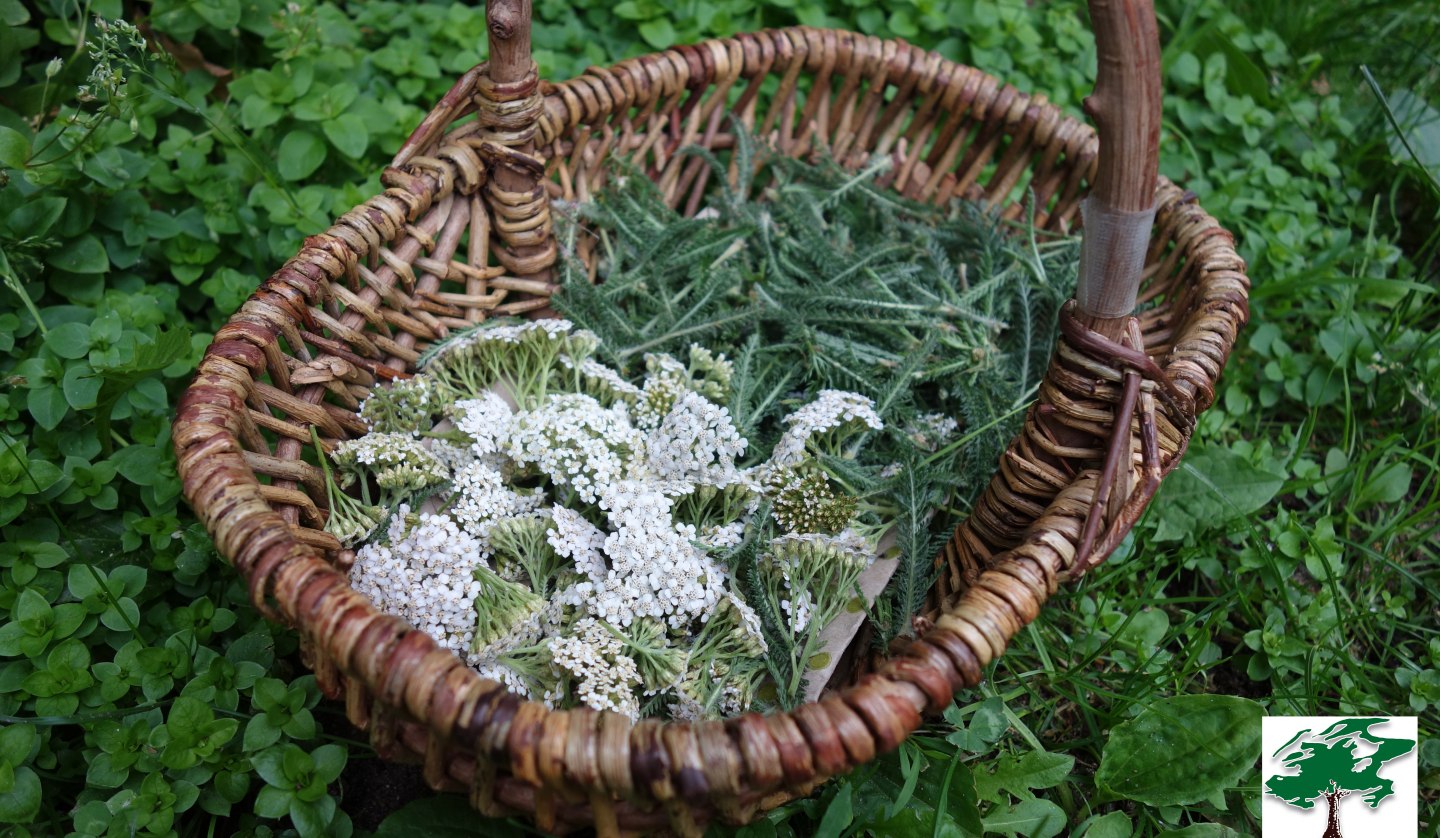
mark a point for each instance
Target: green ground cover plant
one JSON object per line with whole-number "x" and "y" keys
{"x": 152, "y": 172}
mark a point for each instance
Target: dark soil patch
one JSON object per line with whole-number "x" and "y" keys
{"x": 370, "y": 789}
{"x": 1230, "y": 679}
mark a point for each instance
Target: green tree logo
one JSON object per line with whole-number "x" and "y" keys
{"x": 1327, "y": 765}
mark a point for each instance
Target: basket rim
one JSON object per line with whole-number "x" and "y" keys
{"x": 702, "y": 763}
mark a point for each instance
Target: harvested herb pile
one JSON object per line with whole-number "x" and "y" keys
{"x": 569, "y": 532}
{"x": 659, "y": 505}
{"x": 814, "y": 278}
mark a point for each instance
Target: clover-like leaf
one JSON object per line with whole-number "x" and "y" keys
{"x": 273, "y": 802}
{"x": 21, "y": 802}
{"x": 270, "y": 765}
{"x": 16, "y": 743}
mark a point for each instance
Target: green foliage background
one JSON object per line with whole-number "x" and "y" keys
{"x": 1292, "y": 560}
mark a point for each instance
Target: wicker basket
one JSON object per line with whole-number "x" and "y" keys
{"x": 359, "y": 302}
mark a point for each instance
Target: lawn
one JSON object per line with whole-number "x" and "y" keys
{"x": 152, "y": 175}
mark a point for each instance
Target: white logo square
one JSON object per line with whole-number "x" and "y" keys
{"x": 1333, "y": 776}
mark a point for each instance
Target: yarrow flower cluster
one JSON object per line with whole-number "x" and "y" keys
{"x": 931, "y": 430}
{"x": 571, "y": 533}
{"x": 421, "y": 572}
{"x": 400, "y": 464}
{"x": 824, "y": 423}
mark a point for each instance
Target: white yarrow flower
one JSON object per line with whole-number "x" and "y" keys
{"x": 486, "y": 420}
{"x": 831, "y": 410}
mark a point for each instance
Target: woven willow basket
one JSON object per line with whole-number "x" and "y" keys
{"x": 463, "y": 232}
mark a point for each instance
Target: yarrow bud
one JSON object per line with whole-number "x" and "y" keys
{"x": 401, "y": 465}
{"x": 404, "y": 407}
{"x": 802, "y": 500}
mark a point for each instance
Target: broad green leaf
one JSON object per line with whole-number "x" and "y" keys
{"x": 188, "y": 716}
{"x": 48, "y": 406}
{"x": 1113, "y": 825}
{"x": 329, "y": 762}
{"x": 961, "y": 801}
{"x": 221, "y": 14}
{"x": 445, "y": 816}
{"x": 269, "y": 764}
{"x": 85, "y": 255}
{"x": 932, "y": 810}
{"x": 121, "y": 615}
{"x": 14, "y": 148}
{"x": 22, "y": 802}
{"x": 1213, "y": 485}
{"x": 232, "y": 785}
{"x": 260, "y": 733}
{"x": 1241, "y": 74}
{"x": 45, "y": 553}
{"x": 273, "y": 802}
{"x": 37, "y": 216}
{"x": 1181, "y": 750}
{"x": 130, "y": 578}
{"x": 1202, "y": 830}
{"x": 164, "y": 349}
{"x": 1033, "y": 818}
{"x": 1038, "y": 770}
{"x": 13, "y": 12}
{"x": 68, "y": 618}
{"x": 16, "y": 742}
{"x": 296, "y": 763}
{"x": 85, "y": 580}
{"x": 839, "y": 813}
{"x": 658, "y": 33}
{"x": 12, "y": 638}
{"x": 1185, "y": 68}
{"x": 257, "y": 112}
{"x": 93, "y": 818}
{"x": 1018, "y": 775}
{"x": 103, "y": 772}
{"x": 301, "y": 153}
{"x": 301, "y": 726}
{"x": 31, "y": 605}
{"x": 69, "y": 341}
{"x": 348, "y": 133}
{"x": 986, "y": 725}
{"x": 81, "y": 385}
{"x": 1419, "y": 132}
{"x": 1388, "y": 484}
{"x": 69, "y": 657}
{"x": 309, "y": 818}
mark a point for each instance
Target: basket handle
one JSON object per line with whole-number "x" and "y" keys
{"x": 1120, "y": 210}
{"x": 507, "y": 24}
{"x": 1125, "y": 106}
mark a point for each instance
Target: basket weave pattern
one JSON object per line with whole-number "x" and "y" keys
{"x": 359, "y": 303}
